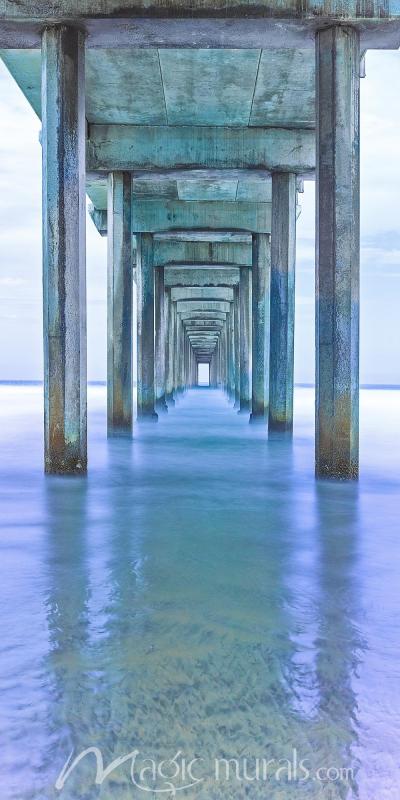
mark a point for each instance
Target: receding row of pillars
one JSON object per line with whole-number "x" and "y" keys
{"x": 337, "y": 285}
{"x": 166, "y": 358}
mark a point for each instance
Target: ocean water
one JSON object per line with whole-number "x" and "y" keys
{"x": 199, "y": 596}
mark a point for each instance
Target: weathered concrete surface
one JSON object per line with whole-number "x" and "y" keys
{"x": 64, "y": 281}
{"x": 200, "y": 128}
{"x": 203, "y": 305}
{"x": 261, "y": 273}
{"x": 183, "y": 275}
{"x": 160, "y": 339}
{"x": 169, "y": 253}
{"x": 119, "y": 306}
{"x": 195, "y": 24}
{"x": 245, "y": 338}
{"x": 283, "y": 257}
{"x": 202, "y": 293}
{"x": 145, "y": 328}
{"x": 337, "y": 253}
{"x": 170, "y": 312}
{"x": 208, "y": 237}
{"x": 236, "y": 333}
{"x": 204, "y": 316}
{"x": 81, "y": 9}
{"x": 153, "y": 215}
{"x": 230, "y": 355}
{"x": 130, "y": 147}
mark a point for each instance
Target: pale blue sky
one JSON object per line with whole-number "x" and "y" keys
{"x": 20, "y": 241}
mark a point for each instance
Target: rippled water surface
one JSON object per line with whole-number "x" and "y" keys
{"x": 200, "y": 594}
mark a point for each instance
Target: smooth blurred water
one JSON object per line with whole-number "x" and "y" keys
{"x": 199, "y": 592}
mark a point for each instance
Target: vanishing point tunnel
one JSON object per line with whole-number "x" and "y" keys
{"x": 192, "y": 126}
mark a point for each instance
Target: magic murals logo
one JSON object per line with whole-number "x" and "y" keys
{"x": 171, "y": 776}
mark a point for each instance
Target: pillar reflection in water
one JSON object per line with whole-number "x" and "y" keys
{"x": 188, "y": 633}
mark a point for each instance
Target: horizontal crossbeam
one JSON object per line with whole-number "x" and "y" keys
{"x": 144, "y": 147}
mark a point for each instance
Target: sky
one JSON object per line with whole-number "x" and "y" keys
{"x": 20, "y": 241}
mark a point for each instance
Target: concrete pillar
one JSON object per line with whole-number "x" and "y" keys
{"x": 175, "y": 347}
{"x": 220, "y": 346}
{"x": 226, "y": 355}
{"x": 230, "y": 355}
{"x": 283, "y": 258}
{"x": 232, "y": 366}
{"x": 244, "y": 335}
{"x": 214, "y": 369}
{"x": 64, "y": 279}
{"x": 178, "y": 354}
{"x": 184, "y": 381}
{"x": 223, "y": 355}
{"x": 145, "y": 322}
{"x": 169, "y": 315}
{"x": 260, "y": 325}
{"x": 119, "y": 305}
{"x": 337, "y": 252}
{"x": 236, "y": 334}
{"x": 160, "y": 343}
{"x": 194, "y": 366}
{"x": 183, "y": 358}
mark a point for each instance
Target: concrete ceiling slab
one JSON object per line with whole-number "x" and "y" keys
{"x": 124, "y": 86}
{"x": 190, "y": 190}
{"x": 285, "y": 91}
{"x": 207, "y": 190}
{"x": 26, "y": 68}
{"x": 128, "y": 86}
{"x": 209, "y": 87}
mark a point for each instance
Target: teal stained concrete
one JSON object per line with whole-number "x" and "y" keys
{"x": 204, "y": 104}
{"x": 145, "y": 327}
{"x": 261, "y": 277}
{"x": 64, "y": 278}
{"x": 338, "y": 254}
{"x": 119, "y": 306}
{"x": 283, "y": 260}
{"x": 201, "y": 277}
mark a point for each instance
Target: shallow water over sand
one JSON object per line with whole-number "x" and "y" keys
{"x": 199, "y": 593}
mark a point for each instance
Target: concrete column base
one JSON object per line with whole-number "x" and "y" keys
{"x": 258, "y": 419}
{"x": 161, "y": 405}
{"x": 148, "y": 417}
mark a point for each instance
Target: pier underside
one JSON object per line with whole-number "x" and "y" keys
{"x": 192, "y": 128}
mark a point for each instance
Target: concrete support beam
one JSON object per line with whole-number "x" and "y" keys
{"x": 153, "y": 24}
{"x": 179, "y": 354}
{"x": 119, "y": 306}
{"x": 207, "y": 276}
{"x": 230, "y": 356}
{"x": 236, "y": 334}
{"x": 283, "y": 257}
{"x": 166, "y": 215}
{"x": 217, "y": 316}
{"x": 64, "y": 279}
{"x": 202, "y": 293}
{"x": 145, "y": 322}
{"x": 160, "y": 339}
{"x": 337, "y": 252}
{"x": 171, "y": 252}
{"x": 260, "y": 317}
{"x": 213, "y": 370}
{"x": 169, "y": 316}
{"x": 203, "y": 305}
{"x": 145, "y": 147}
{"x": 175, "y": 347}
{"x": 208, "y": 237}
{"x": 245, "y": 339}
